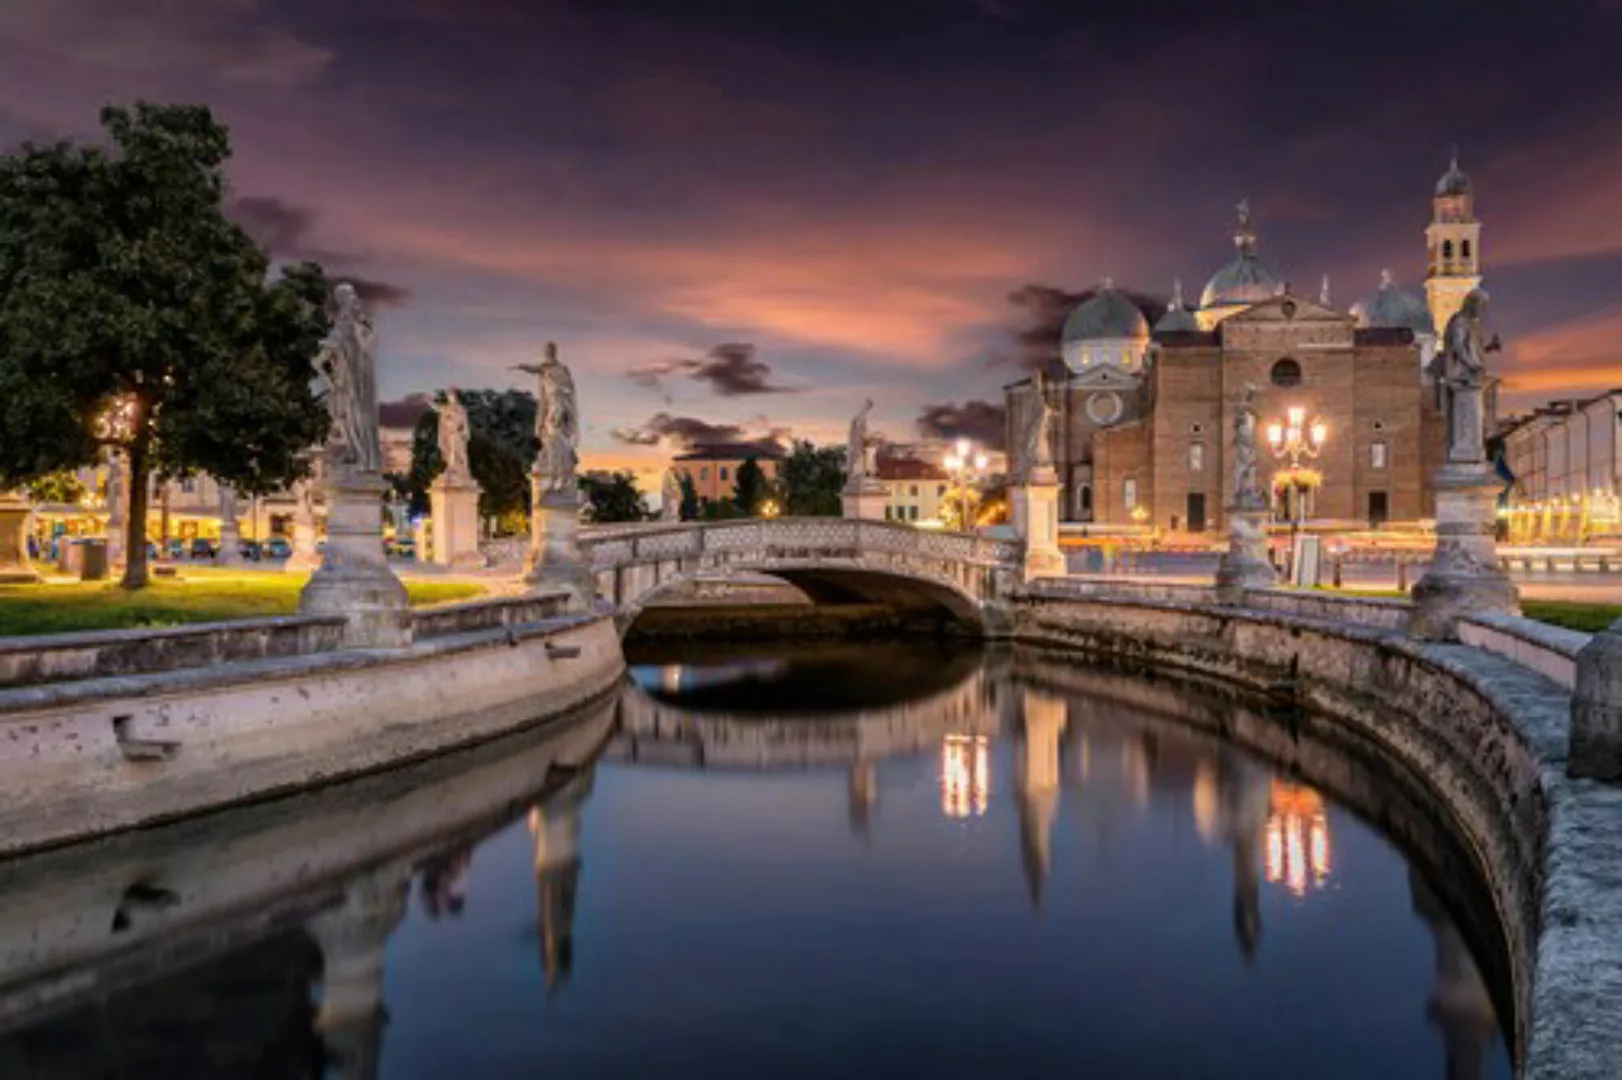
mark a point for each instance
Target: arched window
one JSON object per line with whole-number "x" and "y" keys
{"x": 1447, "y": 249}
{"x": 1464, "y": 248}
{"x": 1286, "y": 373}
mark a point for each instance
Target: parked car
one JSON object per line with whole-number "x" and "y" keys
{"x": 202, "y": 548}
{"x": 250, "y": 550}
{"x": 175, "y": 548}
{"x": 401, "y": 548}
{"x": 277, "y": 547}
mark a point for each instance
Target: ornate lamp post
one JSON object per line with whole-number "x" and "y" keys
{"x": 965, "y": 466}
{"x": 1296, "y": 442}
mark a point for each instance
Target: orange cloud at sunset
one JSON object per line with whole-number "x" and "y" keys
{"x": 1567, "y": 360}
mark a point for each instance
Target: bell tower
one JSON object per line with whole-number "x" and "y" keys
{"x": 1454, "y": 242}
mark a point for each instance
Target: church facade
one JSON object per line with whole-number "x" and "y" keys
{"x": 1142, "y": 414}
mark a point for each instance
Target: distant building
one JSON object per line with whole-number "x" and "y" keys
{"x": 914, "y": 491}
{"x": 1566, "y": 463}
{"x": 1144, "y": 412}
{"x": 713, "y": 467}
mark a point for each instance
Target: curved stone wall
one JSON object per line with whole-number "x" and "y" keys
{"x": 97, "y": 755}
{"x": 1483, "y": 734}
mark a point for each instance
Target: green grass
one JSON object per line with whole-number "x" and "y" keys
{"x": 199, "y": 595}
{"x": 1572, "y": 614}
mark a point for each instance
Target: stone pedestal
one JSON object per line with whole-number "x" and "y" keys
{"x": 354, "y": 579}
{"x": 554, "y": 560}
{"x": 15, "y": 566}
{"x": 230, "y": 536}
{"x": 454, "y": 515}
{"x": 1596, "y": 709}
{"x": 1245, "y": 564}
{"x": 352, "y": 938}
{"x": 1034, "y": 510}
{"x": 864, "y": 501}
{"x": 1463, "y": 576}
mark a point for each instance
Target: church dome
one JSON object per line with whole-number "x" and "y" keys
{"x": 1246, "y": 280}
{"x": 1177, "y": 317}
{"x": 1106, "y": 315}
{"x": 1393, "y": 306}
{"x": 1455, "y": 181}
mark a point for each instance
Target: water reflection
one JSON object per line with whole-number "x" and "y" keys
{"x": 426, "y": 923}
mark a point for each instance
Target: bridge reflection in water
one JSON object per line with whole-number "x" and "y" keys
{"x": 198, "y": 949}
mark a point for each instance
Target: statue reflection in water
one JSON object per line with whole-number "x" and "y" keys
{"x": 444, "y": 882}
{"x": 555, "y": 826}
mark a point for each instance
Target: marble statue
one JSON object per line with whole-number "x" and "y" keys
{"x": 453, "y": 434}
{"x": 348, "y": 364}
{"x": 1035, "y": 446}
{"x": 1463, "y": 380}
{"x": 1247, "y": 488}
{"x": 670, "y": 497}
{"x": 557, "y": 424}
{"x": 856, "y": 447}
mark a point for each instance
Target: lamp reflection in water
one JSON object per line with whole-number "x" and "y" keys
{"x": 965, "y": 775}
{"x": 1298, "y": 843}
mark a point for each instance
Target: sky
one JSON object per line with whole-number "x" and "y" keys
{"x": 744, "y": 217}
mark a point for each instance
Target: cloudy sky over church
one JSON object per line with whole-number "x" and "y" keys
{"x": 745, "y": 217}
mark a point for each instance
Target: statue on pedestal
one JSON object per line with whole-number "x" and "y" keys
{"x": 1463, "y": 380}
{"x": 670, "y": 497}
{"x": 348, "y": 364}
{"x": 1035, "y": 447}
{"x": 1245, "y": 564}
{"x": 453, "y": 436}
{"x": 557, "y": 424}
{"x": 1247, "y": 487}
{"x": 856, "y": 448}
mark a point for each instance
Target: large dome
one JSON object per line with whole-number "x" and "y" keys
{"x": 1106, "y": 315}
{"x": 1455, "y": 181}
{"x": 1246, "y": 280}
{"x": 1395, "y": 307}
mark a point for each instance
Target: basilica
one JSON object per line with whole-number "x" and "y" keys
{"x": 1142, "y": 414}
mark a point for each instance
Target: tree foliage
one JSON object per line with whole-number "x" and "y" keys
{"x": 501, "y": 447}
{"x": 134, "y": 316}
{"x": 811, "y": 479}
{"x": 613, "y": 497}
{"x": 689, "y": 497}
{"x": 62, "y": 487}
{"x": 750, "y": 489}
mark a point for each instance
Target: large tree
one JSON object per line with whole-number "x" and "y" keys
{"x": 613, "y": 497}
{"x": 750, "y": 489}
{"x": 811, "y": 479}
{"x": 135, "y": 317}
{"x": 501, "y": 446}
{"x": 689, "y": 497}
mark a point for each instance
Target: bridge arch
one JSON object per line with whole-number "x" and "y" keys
{"x": 831, "y": 560}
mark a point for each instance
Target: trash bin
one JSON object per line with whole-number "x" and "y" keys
{"x": 85, "y": 558}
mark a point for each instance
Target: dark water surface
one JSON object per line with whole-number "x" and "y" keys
{"x": 846, "y": 861}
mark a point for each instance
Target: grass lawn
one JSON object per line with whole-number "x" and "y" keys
{"x": 1572, "y": 614}
{"x": 198, "y": 595}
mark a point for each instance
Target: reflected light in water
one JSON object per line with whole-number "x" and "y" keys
{"x": 1298, "y": 844}
{"x": 965, "y": 775}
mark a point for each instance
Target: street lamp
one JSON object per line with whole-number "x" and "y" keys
{"x": 965, "y": 465}
{"x": 1296, "y": 442}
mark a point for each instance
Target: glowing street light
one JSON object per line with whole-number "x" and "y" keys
{"x": 965, "y": 465}
{"x": 1297, "y": 441}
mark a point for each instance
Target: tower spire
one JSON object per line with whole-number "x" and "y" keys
{"x": 1323, "y": 292}
{"x": 1244, "y": 236}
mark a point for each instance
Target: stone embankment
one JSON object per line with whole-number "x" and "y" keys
{"x": 1483, "y": 724}
{"x": 107, "y": 731}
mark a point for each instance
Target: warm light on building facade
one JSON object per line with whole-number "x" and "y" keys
{"x": 1298, "y": 847}
{"x": 965, "y": 775}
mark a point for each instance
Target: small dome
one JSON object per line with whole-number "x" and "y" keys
{"x": 1245, "y": 280}
{"x": 1455, "y": 181}
{"x": 1105, "y": 315}
{"x": 1393, "y": 306}
{"x": 1177, "y": 317}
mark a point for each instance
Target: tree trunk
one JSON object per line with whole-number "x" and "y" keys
{"x": 135, "y": 564}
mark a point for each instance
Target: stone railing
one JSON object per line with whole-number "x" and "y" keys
{"x": 622, "y": 546}
{"x": 487, "y": 614}
{"x": 50, "y": 658}
{"x": 1551, "y": 651}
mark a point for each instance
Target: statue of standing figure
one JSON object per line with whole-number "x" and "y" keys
{"x": 348, "y": 363}
{"x": 453, "y": 435}
{"x": 856, "y": 447}
{"x": 1035, "y": 444}
{"x": 1247, "y": 488}
{"x": 1463, "y": 380}
{"x": 557, "y": 424}
{"x": 670, "y": 497}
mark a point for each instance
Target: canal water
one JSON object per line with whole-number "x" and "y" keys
{"x": 834, "y": 860}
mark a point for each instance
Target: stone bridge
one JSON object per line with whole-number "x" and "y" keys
{"x": 831, "y": 560}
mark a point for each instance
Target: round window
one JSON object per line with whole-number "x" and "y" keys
{"x": 1286, "y": 373}
{"x": 1104, "y": 408}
